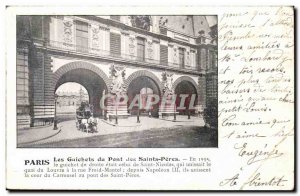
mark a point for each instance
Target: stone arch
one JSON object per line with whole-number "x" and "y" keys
{"x": 80, "y": 65}
{"x": 144, "y": 73}
{"x": 185, "y": 78}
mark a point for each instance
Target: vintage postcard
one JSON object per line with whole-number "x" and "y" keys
{"x": 162, "y": 98}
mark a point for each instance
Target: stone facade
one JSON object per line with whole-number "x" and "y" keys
{"x": 71, "y": 98}
{"x": 83, "y": 49}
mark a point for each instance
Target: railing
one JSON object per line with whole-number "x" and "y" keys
{"x": 118, "y": 56}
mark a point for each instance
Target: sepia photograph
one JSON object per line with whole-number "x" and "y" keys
{"x": 130, "y": 81}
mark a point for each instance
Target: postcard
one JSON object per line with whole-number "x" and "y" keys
{"x": 164, "y": 99}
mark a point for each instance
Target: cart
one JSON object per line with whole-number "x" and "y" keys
{"x": 84, "y": 119}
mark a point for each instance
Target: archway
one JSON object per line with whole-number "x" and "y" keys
{"x": 187, "y": 90}
{"x": 69, "y": 96}
{"x": 91, "y": 77}
{"x": 143, "y": 86}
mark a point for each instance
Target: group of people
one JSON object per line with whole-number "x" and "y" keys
{"x": 85, "y": 119}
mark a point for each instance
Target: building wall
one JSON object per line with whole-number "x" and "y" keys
{"x": 63, "y": 36}
{"x": 42, "y": 90}
{"x": 59, "y": 62}
{"x": 23, "y": 105}
{"x": 59, "y": 35}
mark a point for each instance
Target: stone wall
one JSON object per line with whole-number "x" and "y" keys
{"x": 22, "y": 77}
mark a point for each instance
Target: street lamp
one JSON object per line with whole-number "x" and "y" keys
{"x": 116, "y": 115}
{"x": 138, "y": 116}
{"x": 55, "y": 117}
{"x": 138, "y": 113}
{"x": 188, "y": 109}
{"x": 116, "y": 111}
{"x": 174, "y": 112}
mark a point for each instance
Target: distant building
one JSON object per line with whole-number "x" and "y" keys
{"x": 71, "y": 98}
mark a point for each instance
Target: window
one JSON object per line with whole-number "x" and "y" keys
{"x": 141, "y": 49}
{"x": 82, "y": 36}
{"x": 181, "y": 57}
{"x": 193, "y": 59}
{"x": 115, "y": 44}
{"x": 164, "y": 55}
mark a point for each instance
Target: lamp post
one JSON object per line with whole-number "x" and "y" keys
{"x": 138, "y": 116}
{"x": 188, "y": 108}
{"x": 104, "y": 112}
{"x": 174, "y": 112}
{"x": 116, "y": 114}
{"x": 138, "y": 113}
{"x": 55, "y": 117}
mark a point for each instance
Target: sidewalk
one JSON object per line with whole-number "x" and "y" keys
{"x": 26, "y": 136}
{"x": 69, "y": 130}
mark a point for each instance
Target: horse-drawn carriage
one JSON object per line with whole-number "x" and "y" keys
{"x": 84, "y": 118}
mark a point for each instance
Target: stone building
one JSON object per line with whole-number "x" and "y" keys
{"x": 71, "y": 98}
{"x": 113, "y": 54}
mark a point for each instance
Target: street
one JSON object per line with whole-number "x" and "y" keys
{"x": 151, "y": 133}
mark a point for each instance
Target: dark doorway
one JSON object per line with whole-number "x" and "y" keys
{"x": 187, "y": 88}
{"x": 143, "y": 86}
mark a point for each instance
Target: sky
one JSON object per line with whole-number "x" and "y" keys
{"x": 70, "y": 87}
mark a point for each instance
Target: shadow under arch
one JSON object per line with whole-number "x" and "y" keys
{"x": 144, "y": 73}
{"x": 186, "y": 85}
{"x": 185, "y": 78}
{"x": 140, "y": 82}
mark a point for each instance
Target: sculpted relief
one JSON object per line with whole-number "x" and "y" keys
{"x": 117, "y": 74}
{"x": 132, "y": 44}
{"x": 142, "y": 22}
{"x": 167, "y": 80}
{"x": 95, "y": 37}
{"x": 68, "y": 33}
{"x": 188, "y": 58}
{"x": 150, "y": 49}
{"x": 175, "y": 56}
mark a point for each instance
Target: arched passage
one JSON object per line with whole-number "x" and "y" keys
{"x": 144, "y": 73}
{"x": 88, "y": 75}
{"x": 185, "y": 87}
{"x": 143, "y": 83}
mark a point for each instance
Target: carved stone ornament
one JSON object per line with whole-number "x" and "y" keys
{"x": 142, "y": 22}
{"x": 68, "y": 33}
{"x": 95, "y": 37}
{"x": 150, "y": 49}
{"x": 131, "y": 45}
{"x": 188, "y": 58}
{"x": 117, "y": 74}
{"x": 167, "y": 80}
{"x": 162, "y": 21}
{"x": 175, "y": 56}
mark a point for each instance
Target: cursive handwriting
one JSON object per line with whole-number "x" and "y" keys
{"x": 272, "y": 181}
{"x": 256, "y": 94}
{"x": 257, "y": 154}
